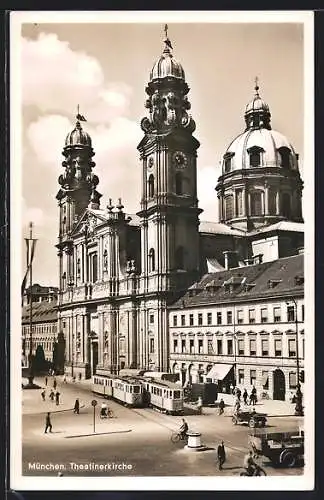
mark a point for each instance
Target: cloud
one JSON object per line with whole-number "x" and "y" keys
{"x": 55, "y": 79}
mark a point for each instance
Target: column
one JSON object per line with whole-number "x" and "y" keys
{"x": 85, "y": 336}
{"x": 278, "y": 203}
{"x": 266, "y": 200}
{"x": 234, "y": 204}
{"x": 100, "y": 338}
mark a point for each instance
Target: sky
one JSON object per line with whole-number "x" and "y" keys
{"x": 105, "y": 68}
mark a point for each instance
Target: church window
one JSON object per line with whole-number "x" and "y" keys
{"x": 179, "y": 183}
{"x": 229, "y": 207}
{"x": 239, "y": 202}
{"x": 151, "y": 260}
{"x": 78, "y": 268}
{"x": 151, "y": 186}
{"x": 285, "y": 205}
{"x": 284, "y": 157}
{"x": 256, "y": 203}
{"x": 255, "y": 156}
{"x": 105, "y": 260}
{"x": 272, "y": 209}
{"x": 228, "y": 162}
{"x": 179, "y": 258}
{"x": 93, "y": 267}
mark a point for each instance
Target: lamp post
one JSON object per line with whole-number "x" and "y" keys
{"x": 299, "y": 411}
{"x": 234, "y": 348}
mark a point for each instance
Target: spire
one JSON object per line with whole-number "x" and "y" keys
{"x": 167, "y": 41}
{"x": 80, "y": 118}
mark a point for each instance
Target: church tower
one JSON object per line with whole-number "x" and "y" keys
{"x": 260, "y": 183}
{"x": 169, "y": 206}
{"x": 77, "y": 192}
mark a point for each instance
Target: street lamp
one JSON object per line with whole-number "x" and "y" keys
{"x": 299, "y": 411}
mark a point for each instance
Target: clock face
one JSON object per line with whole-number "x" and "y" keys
{"x": 180, "y": 159}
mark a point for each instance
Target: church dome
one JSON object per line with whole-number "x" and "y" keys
{"x": 167, "y": 66}
{"x": 78, "y": 137}
{"x": 260, "y": 148}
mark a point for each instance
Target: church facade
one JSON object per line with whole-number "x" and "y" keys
{"x": 120, "y": 273}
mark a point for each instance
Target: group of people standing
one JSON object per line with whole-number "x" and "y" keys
{"x": 54, "y": 393}
{"x": 247, "y": 399}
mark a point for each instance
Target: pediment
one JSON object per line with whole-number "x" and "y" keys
{"x": 88, "y": 223}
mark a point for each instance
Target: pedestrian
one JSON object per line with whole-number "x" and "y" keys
{"x": 48, "y": 423}
{"x": 237, "y": 406}
{"x": 199, "y": 405}
{"x": 73, "y": 378}
{"x": 43, "y": 394}
{"x": 57, "y": 398}
{"x": 232, "y": 389}
{"x": 76, "y": 407}
{"x": 238, "y": 393}
{"x": 51, "y": 396}
{"x": 221, "y": 455}
{"x": 46, "y": 381}
{"x": 80, "y": 376}
{"x": 54, "y": 384}
{"x": 221, "y": 406}
{"x": 64, "y": 379}
{"x": 245, "y": 396}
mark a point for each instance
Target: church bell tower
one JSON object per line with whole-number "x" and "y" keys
{"x": 169, "y": 206}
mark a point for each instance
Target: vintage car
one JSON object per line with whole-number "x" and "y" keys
{"x": 282, "y": 448}
{"x": 252, "y": 418}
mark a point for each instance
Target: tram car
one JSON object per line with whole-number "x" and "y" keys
{"x": 163, "y": 395}
{"x": 171, "y": 377}
{"x": 127, "y": 390}
{"x": 103, "y": 384}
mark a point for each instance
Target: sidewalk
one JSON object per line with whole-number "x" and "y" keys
{"x": 273, "y": 408}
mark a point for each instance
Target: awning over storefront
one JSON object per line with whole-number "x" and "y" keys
{"x": 219, "y": 371}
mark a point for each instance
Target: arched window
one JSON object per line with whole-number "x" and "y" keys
{"x": 179, "y": 258}
{"x": 179, "y": 183}
{"x": 256, "y": 203}
{"x": 285, "y": 205}
{"x": 151, "y": 186}
{"x": 284, "y": 157}
{"x": 229, "y": 207}
{"x": 255, "y": 156}
{"x": 151, "y": 260}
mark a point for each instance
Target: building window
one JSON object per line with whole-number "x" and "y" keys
{"x": 151, "y": 345}
{"x": 183, "y": 320}
{"x": 265, "y": 380}
{"x": 209, "y": 318}
{"x": 292, "y": 380}
{"x": 200, "y": 319}
{"x": 241, "y": 350}
{"x": 151, "y": 318}
{"x": 200, "y": 346}
{"x": 252, "y": 347}
{"x": 291, "y": 313}
{"x": 252, "y": 377}
{"x": 256, "y": 203}
{"x": 278, "y": 347}
{"x": 303, "y": 348}
{"x": 151, "y": 260}
{"x": 179, "y": 258}
{"x": 179, "y": 183}
{"x": 292, "y": 348}
{"x": 175, "y": 345}
{"x": 227, "y": 162}
{"x": 265, "y": 347}
{"x": 151, "y": 186}
{"x": 229, "y": 207}
{"x": 230, "y": 347}
{"x": 277, "y": 314}
{"x": 191, "y": 319}
{"x": 219, "y": 346}
{"x": 264, "y": 315}
{"x": 303, "y": 312}
{"x": 251, "y": 316}
{"x": 175, "y": 320}
{"x": 284, "y": 157}
{"x": 219, "y": 318}
{"x": 239, "y": 202}
{"x": 272, "y": 202}
{"x": 210, "y": 346}
{"x": 78, "y": 268}
{"x": 286, "y": 205}
{"x": 183, "y": 345}
{"x": 240, "y": 317}
{"x": 229, "y": 317}
{"x": 241, "y": 376}
{"x": 191, "y": 346}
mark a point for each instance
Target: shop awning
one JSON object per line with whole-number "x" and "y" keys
{"x": 219, "y": 371}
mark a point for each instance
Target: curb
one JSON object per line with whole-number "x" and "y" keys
{"x": 53, "y": 411}
{"x": 97, "y": 434}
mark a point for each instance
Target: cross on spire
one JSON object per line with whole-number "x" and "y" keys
{"x": 79, "y": 117}
{"x": 166, "y": 27}
{"x": 256, "y": 81}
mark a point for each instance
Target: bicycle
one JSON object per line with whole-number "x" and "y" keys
{"x": 258, "y": 471}
{"x": 176, "y": 437}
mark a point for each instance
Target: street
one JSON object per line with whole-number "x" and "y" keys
{"x": 134, "y": 442}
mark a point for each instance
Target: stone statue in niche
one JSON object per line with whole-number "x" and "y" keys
{"x": 105, "y": 260}
{"x": 159, "y": 109}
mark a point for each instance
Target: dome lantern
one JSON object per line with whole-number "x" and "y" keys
{"x": 166, "y": 65}
{"x": 257, "y": 112}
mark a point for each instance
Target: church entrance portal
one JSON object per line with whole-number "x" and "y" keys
{"x": 279, "y": 385}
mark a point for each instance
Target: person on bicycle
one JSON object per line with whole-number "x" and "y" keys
{"x": 249, "y": 464}
{"x": 104, "y": 411}
{"x": 183, "y": 429}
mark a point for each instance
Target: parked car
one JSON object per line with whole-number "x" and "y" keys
{"x": 282, "y": 448}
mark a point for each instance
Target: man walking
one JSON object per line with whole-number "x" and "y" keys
{"x": 76, "y": 407}
{"x": 245, "y": 396}
{"x": 46, "y": 381}
{"x": 57, "y": 398}
{"x": 48, "y": 423}
{"x": 54, "y": 384}
{"x": 221, "y": 455}
{"x": 43, "y": 394}
{"x": 51, "y": 396}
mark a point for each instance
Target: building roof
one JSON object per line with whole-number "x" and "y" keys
{"x": 38, "y": 289}
{"x": 283, "y": 225}
{"x": 219, "y": 228}
{"x": 41, "y": 311}
{"x": 282, "y": 277}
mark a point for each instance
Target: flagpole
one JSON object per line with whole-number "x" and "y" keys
{"x": 30, "y": 300}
